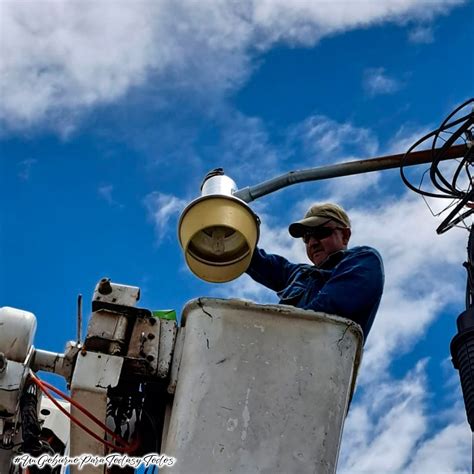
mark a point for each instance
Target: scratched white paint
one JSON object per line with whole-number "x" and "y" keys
{"x": 245, "y": 416}
{"x": 259, "y": 326}
{"x": 232, "y": 423}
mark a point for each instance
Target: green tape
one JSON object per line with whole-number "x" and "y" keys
{"x": 165, "y": 314}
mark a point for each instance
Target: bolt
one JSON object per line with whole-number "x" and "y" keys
{"x": 105, "y": 288}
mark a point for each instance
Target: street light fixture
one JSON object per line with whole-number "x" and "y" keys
{"x": 218, "y": 231}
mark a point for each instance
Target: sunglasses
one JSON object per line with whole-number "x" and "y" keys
{"x": 318, "y": 233}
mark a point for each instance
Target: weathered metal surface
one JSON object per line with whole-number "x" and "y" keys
{"x": 51, "y": 362}
{"x": 17, "y": 330}
{"x": 177, "y": 354}
{"x": 96, "y": 372}
{"x": 142, "y": 355}
{"x": 107, "y": 292}
{"x": 53, "y": 419}
{"x": 216, "y": 182}
{"x": 106, "y": 331}
{"x": 167, "y": 341}
{"x": 11, "y": 383}
{"x": 93, "y": 374}
{"x": 261, "y": 389}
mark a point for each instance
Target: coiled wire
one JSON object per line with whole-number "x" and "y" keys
{"x": 459, "y": 186}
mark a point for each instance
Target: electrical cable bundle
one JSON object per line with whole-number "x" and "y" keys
{"x": 458, "y": 125}
{"x": 459, "y": 188}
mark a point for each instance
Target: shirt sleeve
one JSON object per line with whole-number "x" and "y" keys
{"x": 353, "y": 290}
{"x": 272, "y": 271}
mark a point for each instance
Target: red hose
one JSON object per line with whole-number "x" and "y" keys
{"x": 45, "y": 387}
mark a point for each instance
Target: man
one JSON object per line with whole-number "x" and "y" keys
{"x": 344, "y": 282}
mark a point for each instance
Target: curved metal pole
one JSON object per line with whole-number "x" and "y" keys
{"x": 250, "y": 193}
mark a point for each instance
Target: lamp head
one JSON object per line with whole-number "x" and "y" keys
{"x": 218, "y": 232}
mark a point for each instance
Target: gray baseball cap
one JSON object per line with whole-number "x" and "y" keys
{"x": 319, "y": 214}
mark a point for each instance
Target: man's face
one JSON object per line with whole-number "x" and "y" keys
{"x": 319, "y": 247}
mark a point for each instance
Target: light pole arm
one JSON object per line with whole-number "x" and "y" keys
{"x": 250, "y": 193}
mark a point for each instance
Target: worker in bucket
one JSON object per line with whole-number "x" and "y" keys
{"x": 341, "y": 281}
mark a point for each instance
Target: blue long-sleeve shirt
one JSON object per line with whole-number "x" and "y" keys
{"x": 348, "y": 284}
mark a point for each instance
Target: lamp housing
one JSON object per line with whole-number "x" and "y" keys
{"x": 218, "y": 232}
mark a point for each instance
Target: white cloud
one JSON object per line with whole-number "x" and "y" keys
{"x": 318, "y": 139}
{"x": 389, "y": 430}
{"x": 406, "y": 136}
{"x": 26, "y": 167}
{"x": 422, "y": 34}
{"x": 306, "y": 21}
{"x": 105, "y": 192}
{"x": 245, "y": 141}
{"x": 377, "y": 82}
{"x": 354, "y": 187}
{"x": 163, "y": 211}
{"x": 59, "y": 60}
{"x": 69, "y": 55}
{"x": 323, "y": 141}
{"x": 448, "y": 451}
{"x": 324, "y": 138}
{"x": 392, "y": 412}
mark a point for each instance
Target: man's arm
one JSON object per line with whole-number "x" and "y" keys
{"x": 272, "y": 271}
{"x": 354, "y": 289}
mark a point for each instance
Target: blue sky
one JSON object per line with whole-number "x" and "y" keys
{"x": 112, "y": 113}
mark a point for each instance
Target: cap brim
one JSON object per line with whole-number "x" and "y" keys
{"x": 298, "y": 228}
